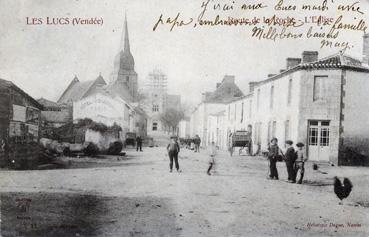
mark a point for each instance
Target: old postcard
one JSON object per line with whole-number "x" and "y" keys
{"x": 215, "y": 118}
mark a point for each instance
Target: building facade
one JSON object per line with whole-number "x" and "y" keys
{"x": 113, "y": 102}
{"x": 212, "y": 103}
{"x": 157, "y": 101}
{"x": 322, "y": 103}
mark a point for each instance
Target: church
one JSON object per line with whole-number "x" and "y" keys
{"x": 113, "y": 102}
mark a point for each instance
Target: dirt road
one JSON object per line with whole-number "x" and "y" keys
{"x": 137, "y": 196}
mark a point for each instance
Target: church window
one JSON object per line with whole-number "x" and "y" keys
{"x": 155, "y": 108}
{"x": 154, "y": 126}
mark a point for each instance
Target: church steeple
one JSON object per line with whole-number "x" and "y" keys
{"x": 126, "y": 37}
{"x": 127, "y": 61}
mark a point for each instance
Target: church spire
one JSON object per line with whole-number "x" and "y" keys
{"x": 126, "y": 61}
{"x": 126, "y": 37}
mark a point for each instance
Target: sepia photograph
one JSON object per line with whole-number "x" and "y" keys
{"x": 170, "y": 118}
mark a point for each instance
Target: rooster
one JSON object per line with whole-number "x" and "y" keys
{"x": 342, "y": 191}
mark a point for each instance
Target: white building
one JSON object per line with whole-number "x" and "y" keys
{"x": 323, "y": 103}
{"x": 103, "y": 108}
{"x": 184, "y": 128}
{"x": 212, "y": 103}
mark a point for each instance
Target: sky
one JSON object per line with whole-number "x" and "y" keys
{"x": 43, "y": 59}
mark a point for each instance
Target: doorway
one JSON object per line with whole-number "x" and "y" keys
{"x": 319, "y": 140}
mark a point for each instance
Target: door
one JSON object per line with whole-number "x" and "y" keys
{"x": 319, "y": 140}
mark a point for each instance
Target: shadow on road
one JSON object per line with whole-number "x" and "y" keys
{"x": 66, "y": 214}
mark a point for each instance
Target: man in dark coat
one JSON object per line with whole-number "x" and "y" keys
{"x": 173, "y": 150}
{"x": 274, "y": 152}
{"x": 138, "y": 143}
{"x": 290, "y": 158}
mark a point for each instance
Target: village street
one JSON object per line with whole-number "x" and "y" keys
{"x": 137, "y": 196}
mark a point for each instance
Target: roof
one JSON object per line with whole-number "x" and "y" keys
{"x": 140, "y": 110}
{"x": 226, "y": 91}
{"x": 335, "y": 61}
{"x": 10, "y": 84}
{"x": 77, "y": 89}
{"x": 119, "y": 89}
{"x": 50, "y": 104}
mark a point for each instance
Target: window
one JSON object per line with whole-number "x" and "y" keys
{"x": 320, "y": 88}
{"x": 250, "y": 109}
{"x": 324, "y": 137}
{"x": 155, "y": 108}
{"x": 274, "y": 128}
{"x": 289, "y": 95}
{"x": 287, "y": 130}
{"x": 127, "y": 78}
{"x": 242, "y": 112}
{"x": 229, "y": 112}
{"x": 154, "y": 126}
{"x": 271, "y": 96}
{"x": 258, "y": 99}
{"x": 235, "y": 111}
{"x": 313, "y": 136}
{"x": 269, "y": 132}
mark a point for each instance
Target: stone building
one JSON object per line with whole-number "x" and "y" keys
{"x": 157, "y": 101}
{"x": 111, "y": 103}
{"x": 322, "y": 103}
{"x": 20, "y": 127}
{"x": 212, "y": 103}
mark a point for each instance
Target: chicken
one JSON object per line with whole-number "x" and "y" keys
{"x": 342, "y": 191}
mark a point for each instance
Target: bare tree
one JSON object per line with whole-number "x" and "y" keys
{"x": 171, "y": 118}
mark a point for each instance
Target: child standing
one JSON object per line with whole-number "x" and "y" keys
{"x": 212, "y": 154}
{"x": 173, "y": 150}
{"x": 300, "y": 161}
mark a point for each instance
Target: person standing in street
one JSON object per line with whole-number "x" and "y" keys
{"x": 300, "y": 162}
{"x": 173, "y": 150}
{"x": 197, "y": 143}
{"x": 212, "y": 154}
{"x": 138, "y": 143}
{"x": 273, "y": 155}
{"x": 290, "y": 161}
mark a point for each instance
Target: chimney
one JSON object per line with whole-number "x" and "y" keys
{"x": 282, "y": 70}
{"x": 252, "y": 85}
{"x": 309, "y": 56}
{"x": 292, "y": 62}
{"x": 271, "y": 75}
{"x": 366, "y": 48}
{"x": 218, "y": 84}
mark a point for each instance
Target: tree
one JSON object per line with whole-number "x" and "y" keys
{"x": 171, "y": 117}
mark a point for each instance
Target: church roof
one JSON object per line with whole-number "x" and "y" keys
{"x": 118, "y": 88}
{"x": 77, "y": 89}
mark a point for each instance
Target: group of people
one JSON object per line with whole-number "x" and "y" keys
{"x": 294, "y": 160}
{"x": 173, "y": 149}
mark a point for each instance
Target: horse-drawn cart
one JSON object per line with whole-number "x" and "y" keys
{"x": 241, "y": 139}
